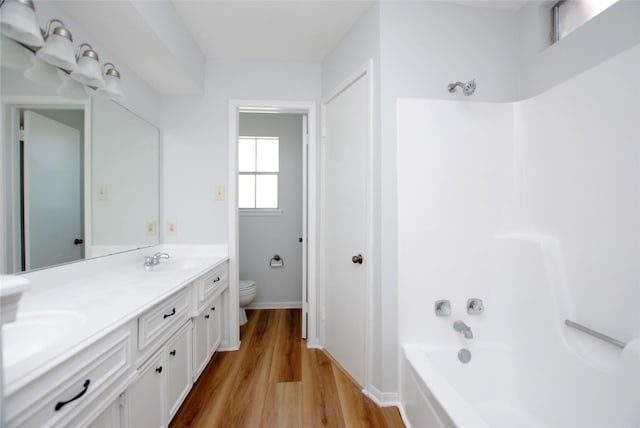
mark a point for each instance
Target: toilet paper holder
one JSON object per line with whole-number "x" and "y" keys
{"x": 276, "y": 261}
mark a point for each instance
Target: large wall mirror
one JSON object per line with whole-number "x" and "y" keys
{"x": 80, "y": 173}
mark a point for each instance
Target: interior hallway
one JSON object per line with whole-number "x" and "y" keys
{"x": 275, "y": 381}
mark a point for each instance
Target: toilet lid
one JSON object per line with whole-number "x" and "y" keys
{"x": 245, "y": 283}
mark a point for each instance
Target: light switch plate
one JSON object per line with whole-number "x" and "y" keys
{"x": 219, "y": 192}
{"x": 102, "y": 193}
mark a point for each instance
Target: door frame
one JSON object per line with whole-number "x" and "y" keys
{"x": 310, "y": 198}
{"x": 365, "y": 69}
{"x": 10, "y": 107}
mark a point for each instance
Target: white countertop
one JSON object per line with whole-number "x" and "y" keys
{"x": 116, "y": 291}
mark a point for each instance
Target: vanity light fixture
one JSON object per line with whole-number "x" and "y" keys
{"x": 111, "y": 86}
{"x": 58, "y": 46}
{"x": 18, "y": 22}
{"x": 88, "y": 69}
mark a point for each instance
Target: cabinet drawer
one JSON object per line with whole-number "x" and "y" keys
{"x": 159, "y": 320}
{"x": 213, "y": 281}
{"x": 83, "y": 381}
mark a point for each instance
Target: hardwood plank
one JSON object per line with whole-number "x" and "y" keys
{"x": 248, "y": 387}
{"x": 283, "y": 405}
{"x": 320, "y": 402}
{"x": 392, "y": 417}
{"x": 286, "y": 366}
{"x": 358, "y": 410}
{"x": 245, "y": 407}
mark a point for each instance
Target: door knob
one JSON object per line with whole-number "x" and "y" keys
{"x": 357, "y": 259}
{"x": 78, "y": 241}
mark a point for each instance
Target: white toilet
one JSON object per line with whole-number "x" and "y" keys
{"x": 247, "y": 294}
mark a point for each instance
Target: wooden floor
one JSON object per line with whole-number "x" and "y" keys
{"x": 275, "y": 381}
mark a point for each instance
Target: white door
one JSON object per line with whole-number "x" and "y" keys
{"x": 52, "y": 192}
{"x": 345, "y": 225}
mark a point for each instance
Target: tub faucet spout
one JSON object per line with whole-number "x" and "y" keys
{"x": 461, "y": 327}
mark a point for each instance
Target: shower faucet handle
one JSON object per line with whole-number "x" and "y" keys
{"x": 442, "y": 308}
{"x": 475, "y": 306}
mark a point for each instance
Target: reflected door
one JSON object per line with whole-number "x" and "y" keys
{"x": 52, "y": 192}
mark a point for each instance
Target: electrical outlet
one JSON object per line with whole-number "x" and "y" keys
{"x": 219, "y": 192}
{"x": 102, "y": 192}
{"x": 172, "y": 227}
{"x": 150, "y": 227}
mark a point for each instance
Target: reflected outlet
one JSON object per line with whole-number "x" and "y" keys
{"x": 150, "y": 227}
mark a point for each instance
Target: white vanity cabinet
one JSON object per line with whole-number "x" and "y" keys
{"x": 79, "y": 389}
{"x": 145, "y": 398}
{"x": 110, "y": 417}
{"x": 214, "y": 331}
{"x": 178, "y": 361}
{"x": 139, "y": 370}
{"x": 163, "y": 383}
{"x": 207, "y": 323}
{"x": 207, "y": 334}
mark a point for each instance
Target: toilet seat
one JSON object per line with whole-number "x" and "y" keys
{"x": 246, "y": 284}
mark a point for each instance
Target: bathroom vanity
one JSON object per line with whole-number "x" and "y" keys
{"x": 114, "y": 344}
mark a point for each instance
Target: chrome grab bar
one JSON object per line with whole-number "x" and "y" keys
{"x": 604, "y": 337}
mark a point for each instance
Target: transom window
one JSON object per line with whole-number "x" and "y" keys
{"x": 567, "y": 15}
{"x": 258, "y": 168}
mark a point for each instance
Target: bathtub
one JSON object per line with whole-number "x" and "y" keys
{"x": 504, "y": 387}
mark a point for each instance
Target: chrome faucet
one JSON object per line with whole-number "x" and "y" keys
{"x": 150, "y": 261}
{"x": 461, "y": 327}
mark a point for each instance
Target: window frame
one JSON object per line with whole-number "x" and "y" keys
{"x": 246, "y": 211}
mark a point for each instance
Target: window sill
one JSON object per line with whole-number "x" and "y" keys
{"x": 260, "y": 212}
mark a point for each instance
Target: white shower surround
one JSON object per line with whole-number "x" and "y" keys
{"x": 534, "y": 207}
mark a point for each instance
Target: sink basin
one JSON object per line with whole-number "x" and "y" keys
{"x": 34, "y": 332}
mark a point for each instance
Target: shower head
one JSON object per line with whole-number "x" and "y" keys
{"x": 467, "y": 88}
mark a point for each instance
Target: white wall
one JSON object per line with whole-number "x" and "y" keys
{"x": 195, "y": 136}
{"x": 564, "y": 165}
{"x": 606, "y": 35}
{"x": 578, "y": 154}
{"x": 262, "y": 236}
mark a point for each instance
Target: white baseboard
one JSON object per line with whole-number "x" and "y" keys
{"x": 382, "y": 399}
{"x": 275, "y": 305}
{"x": 226, "y": 347}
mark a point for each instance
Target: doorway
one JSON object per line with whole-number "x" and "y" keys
{"x": 51, "y": 187}
{"x": 43, "y": 153}
{"x": 270, "y": 193}
{"x": 306, "y": 110}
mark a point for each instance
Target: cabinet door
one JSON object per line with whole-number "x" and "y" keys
{"x": 178, "y": 356}
{"x": 145, "y": 397}
{"x": 200, "y": 344}
{"x": 214, "y": 331}
{"x": 109, "y": 418}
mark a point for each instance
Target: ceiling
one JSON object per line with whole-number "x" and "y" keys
{"x": 269, "y": 30}
{"x": 167, "y": 42}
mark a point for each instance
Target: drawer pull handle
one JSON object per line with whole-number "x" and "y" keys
{"x": 173, "y": 312}
{"x": 207, "y": 316}
{"x": 159, "y": 369}
{"x": 213, "y": 308}
{"x": 217, "y": 279}
{"x": 85, "y": 387}
{"x": 173, "y": 353}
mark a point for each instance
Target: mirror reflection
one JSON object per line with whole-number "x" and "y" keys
{"x": 80, "y": 173}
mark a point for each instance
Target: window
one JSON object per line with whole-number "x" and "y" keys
{"x": 567, "y": 15}
{"x": 258, "y": 168}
